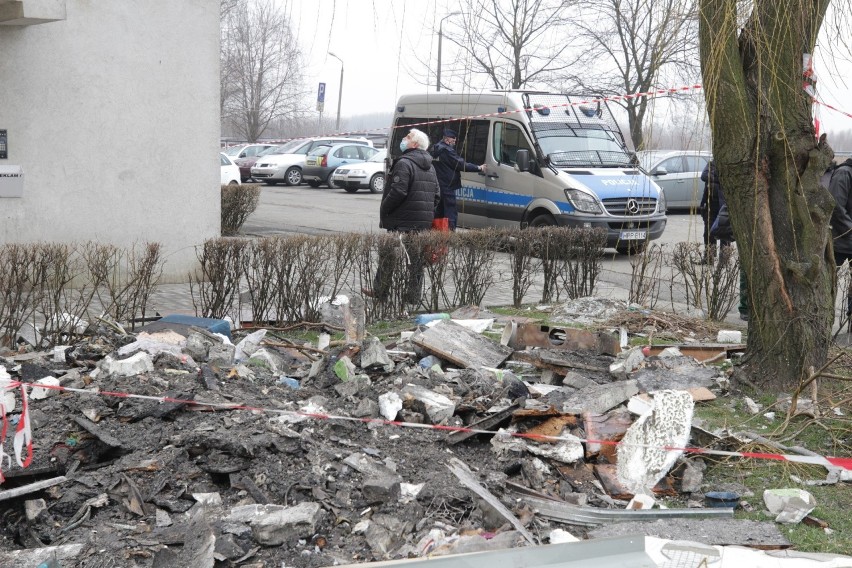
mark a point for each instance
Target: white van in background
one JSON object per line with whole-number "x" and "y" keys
{"x": 550, "y": 161}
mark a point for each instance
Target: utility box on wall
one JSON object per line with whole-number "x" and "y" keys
{"x": 11, "y": 181}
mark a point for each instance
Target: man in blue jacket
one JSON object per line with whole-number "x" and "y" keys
{"x": 448, "y": 167}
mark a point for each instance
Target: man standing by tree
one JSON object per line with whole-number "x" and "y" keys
{"x": 448, "y": 166}
{"x": 840, "y": 187}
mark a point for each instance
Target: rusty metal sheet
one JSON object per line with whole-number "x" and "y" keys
{"x": 567, "y": 338}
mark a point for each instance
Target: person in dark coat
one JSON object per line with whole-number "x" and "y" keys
{"x": 724, "y": 232}
{"x": 408, "y": 206}
{"x": 711, "y": 202}
{"x": 840, "y": 187}
{"x": 448, "y": 167}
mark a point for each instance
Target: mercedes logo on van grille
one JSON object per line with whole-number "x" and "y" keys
{"x": 632, "y": 206}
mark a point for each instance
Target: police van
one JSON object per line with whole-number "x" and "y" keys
{"x": 550, "y": 160}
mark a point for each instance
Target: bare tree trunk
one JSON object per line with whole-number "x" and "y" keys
{"x": 769, "y": 163}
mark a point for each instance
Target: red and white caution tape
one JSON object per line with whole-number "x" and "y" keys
{"x": 25, "y": 433}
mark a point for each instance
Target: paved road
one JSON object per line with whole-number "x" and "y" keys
{"x": 302, "y": 209}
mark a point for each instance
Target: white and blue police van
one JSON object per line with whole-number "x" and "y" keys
{"x": 550, "y": 160}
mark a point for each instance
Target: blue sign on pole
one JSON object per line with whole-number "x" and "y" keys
{"x": 321, "y": 97}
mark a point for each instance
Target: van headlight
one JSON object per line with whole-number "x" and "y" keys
{"x": 583, "y": 202}
{"x": 661, "y": 202}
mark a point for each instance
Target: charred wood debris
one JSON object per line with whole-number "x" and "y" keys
{"x": 268, "y": 451}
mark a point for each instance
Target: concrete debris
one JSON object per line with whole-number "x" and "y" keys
{"x": 248, "y": 345}
{"x": 751, "y": 406}
{"x": 789, "y": 505}
{"x": 39, "y": 393}
{"x": 134, "y": 365}
{"x": 729, "y": 336}
{"x": 642, "y": 456}
{"x": 374, "y": 356}
{"x": 276, "y": 525}
{"x": 437, "y": 407}
{"x": 390, "y": 404}
{"x": 600, "y": 398}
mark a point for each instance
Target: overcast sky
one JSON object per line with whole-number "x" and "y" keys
{"x": 389, "y": 47}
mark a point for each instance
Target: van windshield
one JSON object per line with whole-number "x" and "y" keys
{"x": 567, "y": 146}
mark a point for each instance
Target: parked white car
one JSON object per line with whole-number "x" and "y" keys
{"x": 369, "y": 174}
{"x": 287, "y": 168}
{"x": 230, "y": 170}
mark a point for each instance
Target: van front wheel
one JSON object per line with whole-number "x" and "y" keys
{"x": 542, "y": 220}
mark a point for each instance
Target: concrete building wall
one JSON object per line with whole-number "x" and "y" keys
{"x": 113, "y": 113}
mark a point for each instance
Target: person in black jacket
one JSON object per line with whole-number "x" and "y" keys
{"x": 840, "y": 187}
{"x": 448, "y": 167}
{"x": 711, "y": 202}
{"x": 408, "y": 206}
{"x": 722, "y": 230}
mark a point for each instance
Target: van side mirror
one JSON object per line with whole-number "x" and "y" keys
{"x": 659, "y": 172}
{"x": 522, "y": 160}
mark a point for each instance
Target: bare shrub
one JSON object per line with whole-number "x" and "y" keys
{"x": 123, "y": 279}
{"x": 238, "y": 202}
{"x": 471, "y": 263}
{"x": 62, "y": 307}
{"x": 18, "y": 288}
{"x": 548, "y": 248}
{"x": 436, "y": 248}
{"x": 261, "y": 278}
{"x": 521, "y": 246}
{"x": 712, "y": 287}
{"x": 215, "y": 285}
{"x": 580, "y": 252}
{"x": 382, "y": 267}
{"x": 645, "y": 276}
{"x": 323, "y": 263}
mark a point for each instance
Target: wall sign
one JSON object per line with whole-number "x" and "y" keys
{"x": 4, "y": 145}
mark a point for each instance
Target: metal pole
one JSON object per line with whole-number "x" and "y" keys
{"x": 339, "y": 99}
{"x": 440, "y": 41}
{"x": 440, "y": 37}
{"x": 339, "y": 93}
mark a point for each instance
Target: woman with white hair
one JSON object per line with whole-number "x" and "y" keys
{"x": 408, "y": 206}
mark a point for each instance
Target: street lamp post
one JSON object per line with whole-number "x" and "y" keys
{"x": 440, "y": 37}
{"x": 339, "y": 93}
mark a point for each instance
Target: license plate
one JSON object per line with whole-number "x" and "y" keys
{"x": 633, "y": 235}
{"x": 311, "y": 161}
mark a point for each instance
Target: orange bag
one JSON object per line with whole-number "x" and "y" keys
{"x": 441, "y": 224}
{"x": 436, "y": 254}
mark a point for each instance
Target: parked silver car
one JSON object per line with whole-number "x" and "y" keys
{"x": 369, "y": 174}
{"x": 678, "y": 173}
{"x": 287, "y": 167}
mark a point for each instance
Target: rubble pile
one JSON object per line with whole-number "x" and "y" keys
{"x": 176, "y": 447}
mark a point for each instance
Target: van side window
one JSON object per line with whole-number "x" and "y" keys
{"x": 472, "y": 144}
{"x": 508, "y": 139}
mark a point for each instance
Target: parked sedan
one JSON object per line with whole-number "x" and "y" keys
{"x": 678, "y": 173}
{"x": 230, "y": 173}
{"x": 244, "y": 155}
{"x": 287, "y": 167}
{"x": 369, "y": 174}
{"x": 321, "y": 162}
